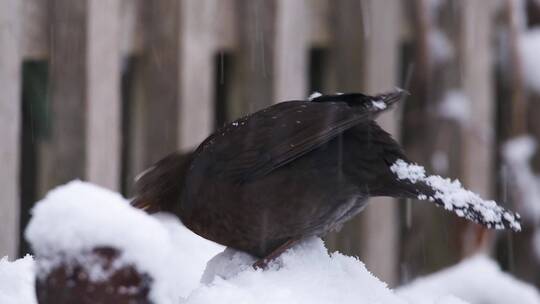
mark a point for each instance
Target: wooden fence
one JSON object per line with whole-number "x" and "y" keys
{"x": 127, "y": 81}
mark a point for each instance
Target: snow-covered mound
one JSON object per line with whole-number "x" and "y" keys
{"x": 78, "y": 217}
{"x": 17, "y": 281}
{"x": 475, "y": 280}
{"x": 304, "y": 274}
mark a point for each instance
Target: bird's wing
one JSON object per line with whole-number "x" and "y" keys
{"x": 253, "y": 146}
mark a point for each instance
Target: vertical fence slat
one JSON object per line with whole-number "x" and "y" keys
{"x": 346, "y": 52}
{"x": 256, "y": 38}
{"x": 62, "y": 154}
{"x": 103, "y": 93}
{"x": 197, "y": 72}
{"x": 477, "y": 80}
{"x": 34, "y": 27}
{"x": 10, "y": 120}
{"x": 291, "y": 50}
{"x": 381, "y": 70}
{"x": 157, "y": 110}
{"x": 318, "y": 22}
{"x": 224, "y": 26}
{"x": 131, "y": 26}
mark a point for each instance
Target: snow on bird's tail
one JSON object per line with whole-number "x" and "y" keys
{"x": 453, "y": 197}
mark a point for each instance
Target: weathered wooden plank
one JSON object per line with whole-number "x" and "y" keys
{"x": 34, "y": 29}
{"x": 478, "y": 85}
{"x": 380, "y": 237}
{"x": 197, "y": 42}
{"x": 318, "y": 19}
{"x": 291, "y": 50}
{"x": 256, "y": 26}
{"x": 224, "y": 25}
{"x": 345, "y": 75}
{"x": 131, "y": 26}
{"x": 426, "y": 133}
{"x": 10, "y": 125}
{"x": 365, "y": 58}
{"x": 103, "y": 93}
{"x": 63, "y": 153}
{"x": 159, "y": 124}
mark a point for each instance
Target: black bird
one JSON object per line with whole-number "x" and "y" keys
{"x": 296, "y": 169}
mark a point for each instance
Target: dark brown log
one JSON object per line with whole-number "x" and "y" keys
{"x": 70, "y": 282}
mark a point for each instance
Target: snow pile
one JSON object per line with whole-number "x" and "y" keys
{"x": 17, "y": 281}
{"x": 78, "y": 217}
{"x": 529, "y": 46}
{"x": 191, "y": 251}
{"x": 304, "y": 274}
{"x": 475, "y": 280}
{"x": 453, "y": 197}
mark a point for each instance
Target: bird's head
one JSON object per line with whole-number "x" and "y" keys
{"x": 159, "y": 188}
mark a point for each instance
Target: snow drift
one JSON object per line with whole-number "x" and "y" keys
{"x": 80, "y": 216}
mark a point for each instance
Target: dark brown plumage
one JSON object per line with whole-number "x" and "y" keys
{"x": 292, "y": 170}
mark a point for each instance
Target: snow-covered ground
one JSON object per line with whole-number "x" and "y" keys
{"x": 177, "y": 259}
{"x": 475, "y": 280}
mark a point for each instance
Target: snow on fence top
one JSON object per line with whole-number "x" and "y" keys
{"x": 452, "y": 196}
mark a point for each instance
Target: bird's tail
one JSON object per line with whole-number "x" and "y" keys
{"x": 159, "y": 187}
{"x": 372, "y": 104}
{"x": 412, "y": 182}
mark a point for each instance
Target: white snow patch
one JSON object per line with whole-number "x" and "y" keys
{"x": 475, "y": 280}
{"x": 226, "y": 264}
{"x": 314, "y": 95}
{"x": 78, "y": 217}
{"x": 305, "y": 273}
{"x": 191, "y": 251}
{"x": 441, "y": 49}
{"x": 379, "y": 104}
{"x": 17, "y": 281}
{"x": 529, "y": 46}
{"x": 456, "y": 106}
{"x": 454, "y": 197}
